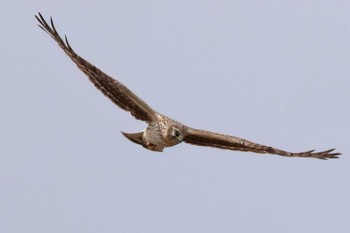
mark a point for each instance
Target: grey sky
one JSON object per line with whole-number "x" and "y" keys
{"x": 274, "y": 72}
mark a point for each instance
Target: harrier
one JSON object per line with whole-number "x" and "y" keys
{"x": 162, "y": 131}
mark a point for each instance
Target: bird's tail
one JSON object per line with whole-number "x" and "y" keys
{"x": 135, "y": 137}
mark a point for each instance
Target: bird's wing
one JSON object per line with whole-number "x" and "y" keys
{"x": 113, "y": 89}
{"x": 211, "y": 139}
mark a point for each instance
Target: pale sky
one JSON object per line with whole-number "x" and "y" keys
{"x": 273, "y": 72}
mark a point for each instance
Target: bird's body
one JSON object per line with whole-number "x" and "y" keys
{"x": 162, "y": 131}
{"x": 159, "y": 134}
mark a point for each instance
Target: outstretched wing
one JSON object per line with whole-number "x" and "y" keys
{"x": 207, "y": 138}
{"x": 113, "y": 89}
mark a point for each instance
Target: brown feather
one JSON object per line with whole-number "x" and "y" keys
{"x": 113, "y": 89}
{"x": 211, "y": 139}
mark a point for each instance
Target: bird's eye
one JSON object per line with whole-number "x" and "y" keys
{"x": 176, "y": 132}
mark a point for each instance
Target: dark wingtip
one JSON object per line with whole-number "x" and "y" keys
{"x": 324, "y": 155}
{"x": 327, "y": 154}
{"x": 40, "y": 18}
{"x": 67, "y": 43}
{"x": 51, "y": 30}
{"x": 42, "y": 23}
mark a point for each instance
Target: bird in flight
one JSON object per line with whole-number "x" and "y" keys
{"x": 162, "y": 131}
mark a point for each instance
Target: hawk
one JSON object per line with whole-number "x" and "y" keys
{"x": 162, "y": 131}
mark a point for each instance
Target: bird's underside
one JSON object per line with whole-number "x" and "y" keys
{"x": 162, "y": 131}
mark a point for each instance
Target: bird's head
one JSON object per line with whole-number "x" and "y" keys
{"x": 175, "y": 133}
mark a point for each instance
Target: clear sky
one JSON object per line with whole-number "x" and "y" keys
{"x": 273, "y": 72}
